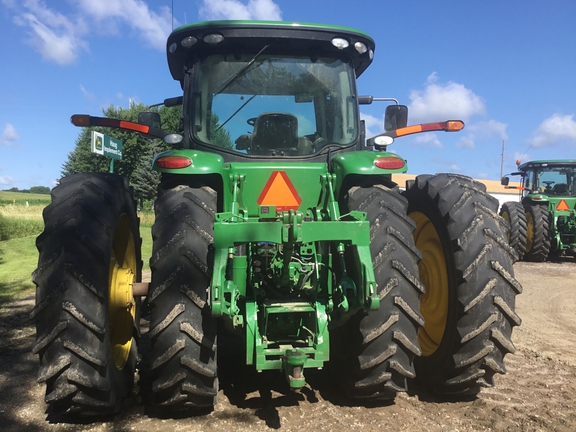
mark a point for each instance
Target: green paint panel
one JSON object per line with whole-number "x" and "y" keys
{"x": 305, "y": 178}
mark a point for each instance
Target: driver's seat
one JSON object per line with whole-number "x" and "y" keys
{"x": 560, "y": 189}
{"x": 274, "y": 130}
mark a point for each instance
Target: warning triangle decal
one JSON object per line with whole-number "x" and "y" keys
{"x": 562, "y": 206}
{"x": 280, "y": 192}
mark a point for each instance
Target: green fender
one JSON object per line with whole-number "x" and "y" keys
{"x": 364, "y": 163}
{"x": 200, "y": 162}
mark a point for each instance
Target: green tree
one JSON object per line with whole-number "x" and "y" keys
{"x": 219, "y": 136}
{"x": 40, "y": 190}
{"x": 145, "y": 179}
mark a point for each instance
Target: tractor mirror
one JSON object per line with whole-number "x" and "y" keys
{"x": 505, "y": 181}
{"x": 396, "y": 117}
{"x": 151, "y": 119}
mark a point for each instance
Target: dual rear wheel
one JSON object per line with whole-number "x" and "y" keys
{"x": 529, "y": 229}
{"x": 441, "y": 260}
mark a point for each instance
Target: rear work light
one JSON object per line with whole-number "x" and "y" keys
{"x": 390, "y": 162}
{"x": 173, "y": 162}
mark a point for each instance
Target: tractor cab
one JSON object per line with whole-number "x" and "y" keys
{"x": 552, "y": 178}
{"x": 265, "y": 89}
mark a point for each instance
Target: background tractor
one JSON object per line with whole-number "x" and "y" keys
{"x": 543, "y": 223}
{"x": 276, "y": 221}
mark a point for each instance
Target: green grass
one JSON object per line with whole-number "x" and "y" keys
{"x": 19, "y": 227}
{"x": 146, "y": 235}
{"x": 18, "y": 259}
{"x": 20, "y": 198}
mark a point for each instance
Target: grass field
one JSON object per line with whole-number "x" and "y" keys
{"x": 20, "y": 198}
{"x": 19, "y": 226}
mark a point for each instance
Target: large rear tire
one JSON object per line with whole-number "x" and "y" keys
{"x": 514, "y": 214}
{"x": 538, "y": 233}
{"x": 376, "y": 349}
{"x": 182, "y": 332}
{"x": 85, "y": 312}
{"x": 466, "y": 267}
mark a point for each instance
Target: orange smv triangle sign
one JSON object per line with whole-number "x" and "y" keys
{"x": 562, "y": 206}
{"x": 279, "y": 192}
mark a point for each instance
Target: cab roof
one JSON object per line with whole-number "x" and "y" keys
{"x": 251, "y": 36}
{"x": 550, "y": 163}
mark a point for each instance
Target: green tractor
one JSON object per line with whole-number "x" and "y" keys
{"x": 276, "y": 221}
{"x": 543, "y": 223}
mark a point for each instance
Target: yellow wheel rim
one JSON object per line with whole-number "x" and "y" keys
{"x": 529, "y": 231}
{"x": 434, "y": 276}
{"x": 121, "y": 305}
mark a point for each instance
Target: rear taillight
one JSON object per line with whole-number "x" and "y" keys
{"x": 173, "y": 162}
{"x": 390, "y": 163}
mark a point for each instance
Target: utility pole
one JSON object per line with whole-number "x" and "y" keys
{"x": 502, "y": 160}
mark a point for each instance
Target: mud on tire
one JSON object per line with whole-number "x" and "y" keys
{"x": 376, "y": 349}
{"x": 182, "y": 332}
{"x": 89, "y": 256}
{"x": 469, "y": 305}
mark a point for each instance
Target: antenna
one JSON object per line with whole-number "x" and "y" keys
{"x": 172, "y": 15}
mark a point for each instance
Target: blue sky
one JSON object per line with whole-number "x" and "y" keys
{"x": 507, "y": 68}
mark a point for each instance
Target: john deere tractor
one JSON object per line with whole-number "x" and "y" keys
{"x": 543, "y": 222}
{"x": 276, "y": 221}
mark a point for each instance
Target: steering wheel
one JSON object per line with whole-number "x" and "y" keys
{"x": 548, "y": 183}
{"x": 251, "y": 121}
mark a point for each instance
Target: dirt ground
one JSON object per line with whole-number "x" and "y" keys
{"x": 537, "y": 394}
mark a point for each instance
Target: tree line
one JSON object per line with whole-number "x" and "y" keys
{"x": 32, "y": 190}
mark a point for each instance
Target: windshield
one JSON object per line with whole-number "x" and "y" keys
{"x": 553, "y": 181}
{"x": 274, "y": 105}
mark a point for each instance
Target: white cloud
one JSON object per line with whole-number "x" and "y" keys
{"x": 9, "y": 136}
{"x": 553, "y": 129}
{"x": 450, "y": 101}
{"x": 428, "y": 140}
{"x": 61, "y": 38}
{"x": 86, "y": 93}
{"x": 154, "y": 27}
{"x": 374, "y": 125}
{"x": 54, "y": 35}
{"x": 6, "y": 180}
{"x": 484, "y": 130}
{"x": 489, "y": 129}
{"x": 237, "y": 10}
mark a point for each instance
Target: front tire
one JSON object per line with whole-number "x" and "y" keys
{"x": 377, "y": 349}
{"x": 182, "y": 332}
{"x": 85, "y": 312}
{"x": 466, "y": 267}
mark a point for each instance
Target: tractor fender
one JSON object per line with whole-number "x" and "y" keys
{"x": 188, "y": 161}
{"x": 365, "y": 163}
